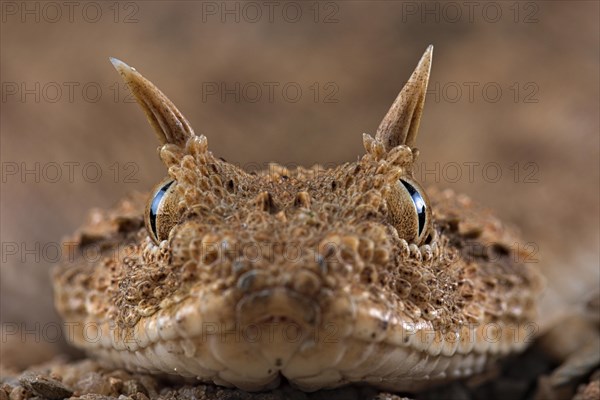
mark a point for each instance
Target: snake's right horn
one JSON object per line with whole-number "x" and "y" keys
{"x": 401, "y": 124}
{"x": 169, "y": 124}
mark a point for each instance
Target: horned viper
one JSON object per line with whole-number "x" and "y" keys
{"x": 320, "y": 276}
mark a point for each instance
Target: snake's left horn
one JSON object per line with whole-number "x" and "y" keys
{"x": 169, "y": 124}
{"x": 401, "y": 124}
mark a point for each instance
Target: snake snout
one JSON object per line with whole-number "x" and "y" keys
{"x": 268, "y": 297}
{"x": 277, "y": 323}
{"x": 278, "y": 306}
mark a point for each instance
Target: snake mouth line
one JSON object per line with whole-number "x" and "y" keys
{"x": 253, "y": 342}
{"x": 281, "y": 322}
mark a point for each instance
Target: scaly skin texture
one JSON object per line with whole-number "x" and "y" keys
{"x": 322, "y": 276}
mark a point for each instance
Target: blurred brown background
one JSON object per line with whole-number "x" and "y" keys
{"x": 514, "y": 100}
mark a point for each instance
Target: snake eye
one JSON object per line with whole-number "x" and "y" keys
{"x": 160, "y": 214}
{"x": 410, "y": 211}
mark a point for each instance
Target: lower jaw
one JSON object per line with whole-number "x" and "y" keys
{"x": 324, "y": 365}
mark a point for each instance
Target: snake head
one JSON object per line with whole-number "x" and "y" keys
{"x": 409, "y": 206}
{"x": 322, "y": 276}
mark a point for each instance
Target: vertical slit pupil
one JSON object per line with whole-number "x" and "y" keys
{"x": 419, "y": 203}
{"x": 156, "y": 204}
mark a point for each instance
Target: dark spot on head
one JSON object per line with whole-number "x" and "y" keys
{"x": 269, "y": 205}
{"x": 384, "y": 324}
{"x": 278, "y": 362}
{"x": 230, "y": 185}
{"x": 323, "y": 267}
